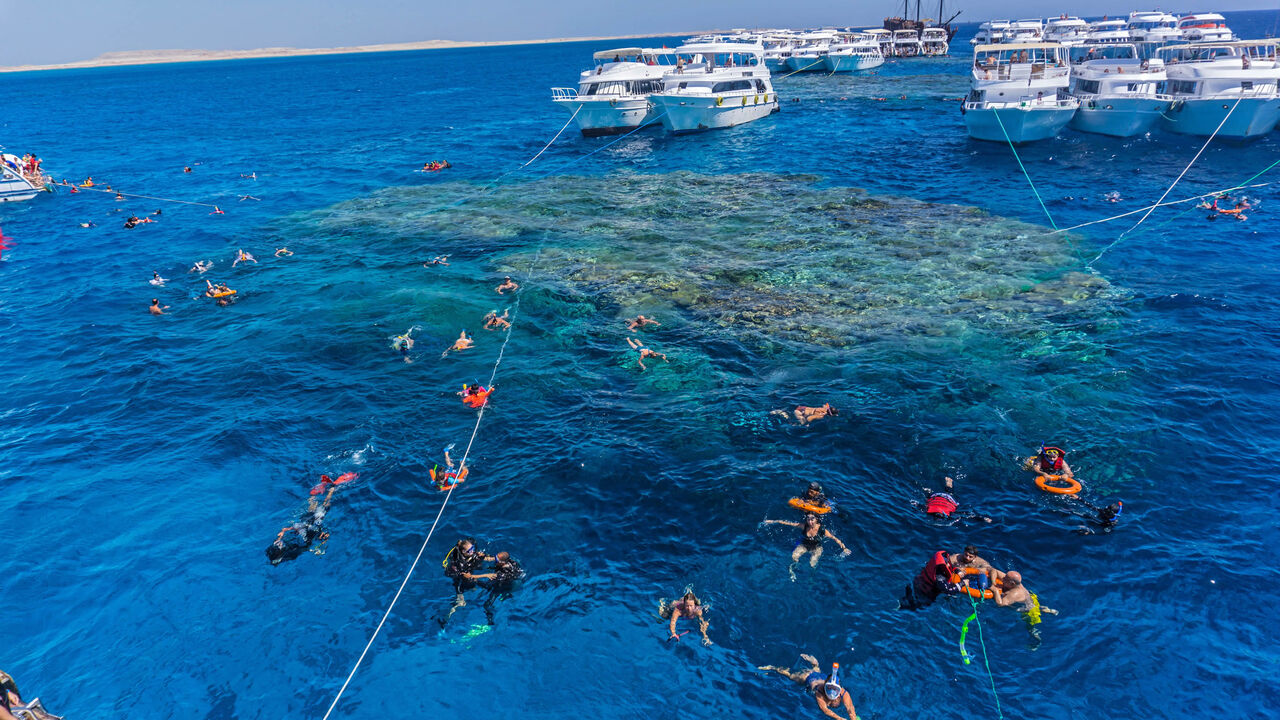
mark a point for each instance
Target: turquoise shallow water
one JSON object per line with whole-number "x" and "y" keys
{"x": 847, "y": 249}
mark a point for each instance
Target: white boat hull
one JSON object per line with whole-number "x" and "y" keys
{"x": 807, "y": 63}
{"x": 776, "y": 64}
{"x": 691, "y": 113}
{"x": 609, "y": 117}
{"x": 14, "y": 187}
{"x": 1022, "y": 124}
{"x": 1252, "y": 118}
{"x": 1118, "y": 116}
{"x": 851, "y": 63}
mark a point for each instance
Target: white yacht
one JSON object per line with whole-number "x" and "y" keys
{"x": 613, "y": 97}
{"x": 933, "y": 41}
{"x": 1119, "y": 93}
{"x": 810, "y": 51}
{"x": 857, "y": 51}
{"x": 1210, "y": 82}
{"x": 23, "y": 179}
{"x": 990, "y": 32}
{"x": 1018, "y": 92}
{"x": 1205, "y": 27}
{"x": 1066, "y": 30}
{"x": 1108, "y": 31}
{"x": 715, "y": 85}
{"x": 906, "y": 43}
{"x": 1152, "y": 30}
{"x": 777, "y": 49}
{"x": 1024, "y": 31}
{"x": 883, "y": 38}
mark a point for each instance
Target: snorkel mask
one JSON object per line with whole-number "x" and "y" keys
{"x": 832, "y": 687}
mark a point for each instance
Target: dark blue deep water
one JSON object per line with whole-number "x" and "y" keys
{"x": 849, "y": 249}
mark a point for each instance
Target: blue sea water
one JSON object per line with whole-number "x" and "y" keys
{"x": 849, "y": 249}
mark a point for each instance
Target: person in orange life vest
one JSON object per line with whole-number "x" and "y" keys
{"x": 1049, "y": 461}
{"x": 943, "y": 505}
{"x": 929, "y": 583}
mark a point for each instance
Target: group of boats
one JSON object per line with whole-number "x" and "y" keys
{"x": 1190, "y": 75}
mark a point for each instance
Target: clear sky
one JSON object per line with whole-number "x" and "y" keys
{"x": 53, "y": 31}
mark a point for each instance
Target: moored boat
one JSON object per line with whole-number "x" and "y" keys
{"x": 1119, "y": 93}
{"x": 1018, "y": 92}
{"x": 716, "y": 85}
{"x": 1227, "y": 88}
{"x": 613, "y": 97}
{"x": 22, "y": 177}
{"x": 853, "y": 52}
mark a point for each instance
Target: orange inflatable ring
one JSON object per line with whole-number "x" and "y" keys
{"x": 228, "y": 293}
{"x": 972, "y": 591}
{"x": 1071, "y": 488}
{"x": 802, "y": 505}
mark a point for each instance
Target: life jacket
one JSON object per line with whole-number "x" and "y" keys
{"x": 926, "y": 581}
{"x": 1045, "y": 464}
{"x": 477, "y": 399}
{"x": 941, "y": 503}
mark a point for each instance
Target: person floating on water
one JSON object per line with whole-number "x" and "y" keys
{"x": 283, "y": 252}
{"x": 460, "y": 565}
{"x": 804, "y": 414}
{"x": 968, "y": 559}
{"x": 437, "y": 260}
{"x": 500, "y": 581}
{"x": 220, "y": 293}
{"x": 494, "y": 321}
{"x": 436, "y": 166}
{"x": 1237, "y": 212}
{"x": 13, "y": 707}
{"x": 476, "y": 396}
{"x": 155, "y": 308}
{"x": 929, "y": 583}
{"x": 1049, "y": 461}
{"x": 640, "y": 321}
{"x": 943, "y": 505}
{"x": 688, "y": 606}
{"x": 508, "y": 285}
{"x": 242, "y": 256}
{"x": 644, "y": 352}
{"x": 186, "y": 169}
{"x": 1104, "y": 518}
{"x": 201, "y": 266}
{"x": 403, "y": 344}
{"x": 812, "y": 533}
{"x": 157, "y": 280}
{"x": 826, "y": 690}
{"x": 308, "y": 530}
{"x": 1009, "y": 591}
{"x": 813, "y": 499}
{"x": 448, "y": 477}
{"x": 463, "y": 342}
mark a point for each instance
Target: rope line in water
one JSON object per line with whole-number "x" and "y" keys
{"x": 985, "y": 661}
{"x": 1024, "y": 169}
{"x": 1168, "y": 204}
{"x": 134, "y": 195}
{"x": 618, "y": 139}
{"x": 806, "y": 67}
{"x": 1185, "y": 169}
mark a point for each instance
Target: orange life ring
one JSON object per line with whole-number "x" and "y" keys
{"x": 1071, "y": 488}
{"x": 802, "y": 505}
{"x": 228, "y": 293}
{"x": 973, "y": 592}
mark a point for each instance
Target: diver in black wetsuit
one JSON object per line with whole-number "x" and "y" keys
{"x": 1104, "y": 518}
{"x": 500, "y": 582}
{"x": 460, "y": 565}
{"x": 309, "y": 529}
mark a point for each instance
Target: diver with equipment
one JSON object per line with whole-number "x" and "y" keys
{"x": 812, "y": 533}
{"x": 500, "y": 582}
{"x": 688, "y": 606}
{"x": 943, "y": 505}
{"x": 448, "y": 477}
{"x": 308, "y": 530}
{"x": 826, "y": 690}
{"x": 460, "y": 564}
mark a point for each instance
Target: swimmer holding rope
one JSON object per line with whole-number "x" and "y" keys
{"x": 464, "y": 342}
{"x": 688, "y": 606}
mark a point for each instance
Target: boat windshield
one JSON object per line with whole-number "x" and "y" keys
{"x": 1085, "y": 53}
{"x": 1018, "y": 55}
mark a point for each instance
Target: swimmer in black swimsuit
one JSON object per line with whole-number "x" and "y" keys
{"x": 309, "y": 529}
{"x": 826, "y": 690}
{"x": 811, "y": 537}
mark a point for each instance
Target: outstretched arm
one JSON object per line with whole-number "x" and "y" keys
{"x": 675, "y": 615}
{"x": 783, "y": 522}
{"x": 839, "y": 542}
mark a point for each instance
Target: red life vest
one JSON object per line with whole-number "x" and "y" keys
{"x": 941, "y": 503}
{"x": 1046, "y": 465}
{"x": 929, "y": 575}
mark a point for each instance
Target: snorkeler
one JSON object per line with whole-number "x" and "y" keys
{"x": 507, "y": 285}
{"x": 309, "y": 529}
{"x": 1105, "y": 517}
{"x": 460, "y": 564}
{"x": 644, "y": 352}
{"x": 500, "y": 581}
{"x": 804, "y": 414}
{"x": 463, "y": 342}
{"x": 283, "y": 252}
{"x": 476, "y": 396}
{"x": 449, "y": 477}
{"x": 688, "y": 606}
{"x": 812, "y": 533}
{"x": 813, "y": 499}
{"x": 494, "y": 321}
{"x": 157, "y": 280}
{"x": 403, "y": 344}
{"x": 943, "y": 505}
{"x": 242, "y": 256}
{"x": 640, "y": 321}
{"x": 929, "y": 583}
{"x": 438, "y": 260}
{"x": 827, "y": 691}
{"x": 201, "y": 266}
{"x": 155, "y": 308}
{"x": 1049, "y": 461}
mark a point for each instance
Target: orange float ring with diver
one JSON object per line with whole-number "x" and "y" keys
{"x": 972, "y": 591}
{"x": 1071, "y": 488}
{"x": 228, "y": 293}
{"x": 802, "y": 505}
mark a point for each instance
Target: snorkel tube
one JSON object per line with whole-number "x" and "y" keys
{"x": 832, "y": 687}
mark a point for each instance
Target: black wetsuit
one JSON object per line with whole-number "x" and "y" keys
{"x": 501, "y": 586}
{"x": 460, "y": 564}
{"x": 307, "y": 531}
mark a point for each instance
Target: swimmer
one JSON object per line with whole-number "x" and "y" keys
{"x": 929, "y": 583}
{"x": 158, "y": 212}
{"x": 88, "y": 225}
{"x": 283, "y": 252}
{"x": 1049, "y": 461}
{"x": 248, "y": 197}
{"x": 1112, "y": 197}
{"x": 217, "y": 211}
{"x": 943, "y": 505}
{"x": 493, "y": 321}
{"x": 251, "y": 176}
{"x": 119, "y": 196}
{"x": 201, "y": 266}
{"x": 1104, "y": 518}
{"x": 447, "y": 478}
{"x": 186, "y": 169}
{"x": 968, "y": 559}
{"x": 155, "y": 308}
{"x": 688, "y": 606}
{"x": 811, "y": 536}
{"x": 156, "y": 279}
{"x": 644, "y": 352}
{"x": 403, "y": 344}
{"x": 1009, "y": 590}
{"x": 242, "y": 256}
{"x": 814, "y": 496}
{"x": 804, "y": 414}
{"x": 463, "y": 342}
{"x": 500, "y": 582}
{"x": 640, "y": 321}
{"x": 475, "y": 395}
{"x": 132, "y": 222}
{"x": 506, "y": 285}
{"x": 437, "y": 260}
{"x": 309, "y": 529}
{"x": 460, "y": 565}
{"x": 827, "y": 691}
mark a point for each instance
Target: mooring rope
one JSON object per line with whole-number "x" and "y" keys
{"x": 64, "y": 183}
{"x": 985, "y": 661}
{"x": 1024, "y": 169}
{"x": 806, "y": 67}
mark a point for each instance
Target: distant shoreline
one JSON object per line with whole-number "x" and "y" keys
{"x": 156, "y": 57}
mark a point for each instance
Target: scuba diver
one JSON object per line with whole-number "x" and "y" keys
{"x": 929, "y": 583}
{"x": 688, "y": 606}
{"x": 1104, "y": 518}
{"x": 827, "y": 691}
{"x": 943, "y": 505}
{"x": 500, "y": 582}
{"x": 812, "y": 533}
{"x": 460, "y": 564}
{"x": 309, "y": 529}
{"x": 1049, "y": 461}
{"x": 448, "y": 478}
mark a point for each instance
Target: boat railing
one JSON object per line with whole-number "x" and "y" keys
{"x": 564, "y": 93}
{"x": 1004, "y": 70}
{"x": 1061, "y": 102}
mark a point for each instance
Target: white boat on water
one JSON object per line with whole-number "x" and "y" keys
{"x": 883, "y": 38}
{"x": 990, "y": 32}
{"x": 22, "y": 177}
{"x": 857, "y": 51}
{"x": 906, "y": 43}
{"x": 716, "y": 85}
{"x": 1108, "y": 31}
{"x": 1018, "y": 92}
{"x": 613, "y": 97}
{"x": 1232, "y": 84}
{"x": 1119, "y": 93}
{"x": 1066, "y": 30}
{"x": 933, "y": 41}
{"x": 1205, "y": 27}
{"x": 1024, "y": 31}
{"x": 810, "y": 51}
{"x": 777, "y": 50}
{"x": 1152, "y": 30}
